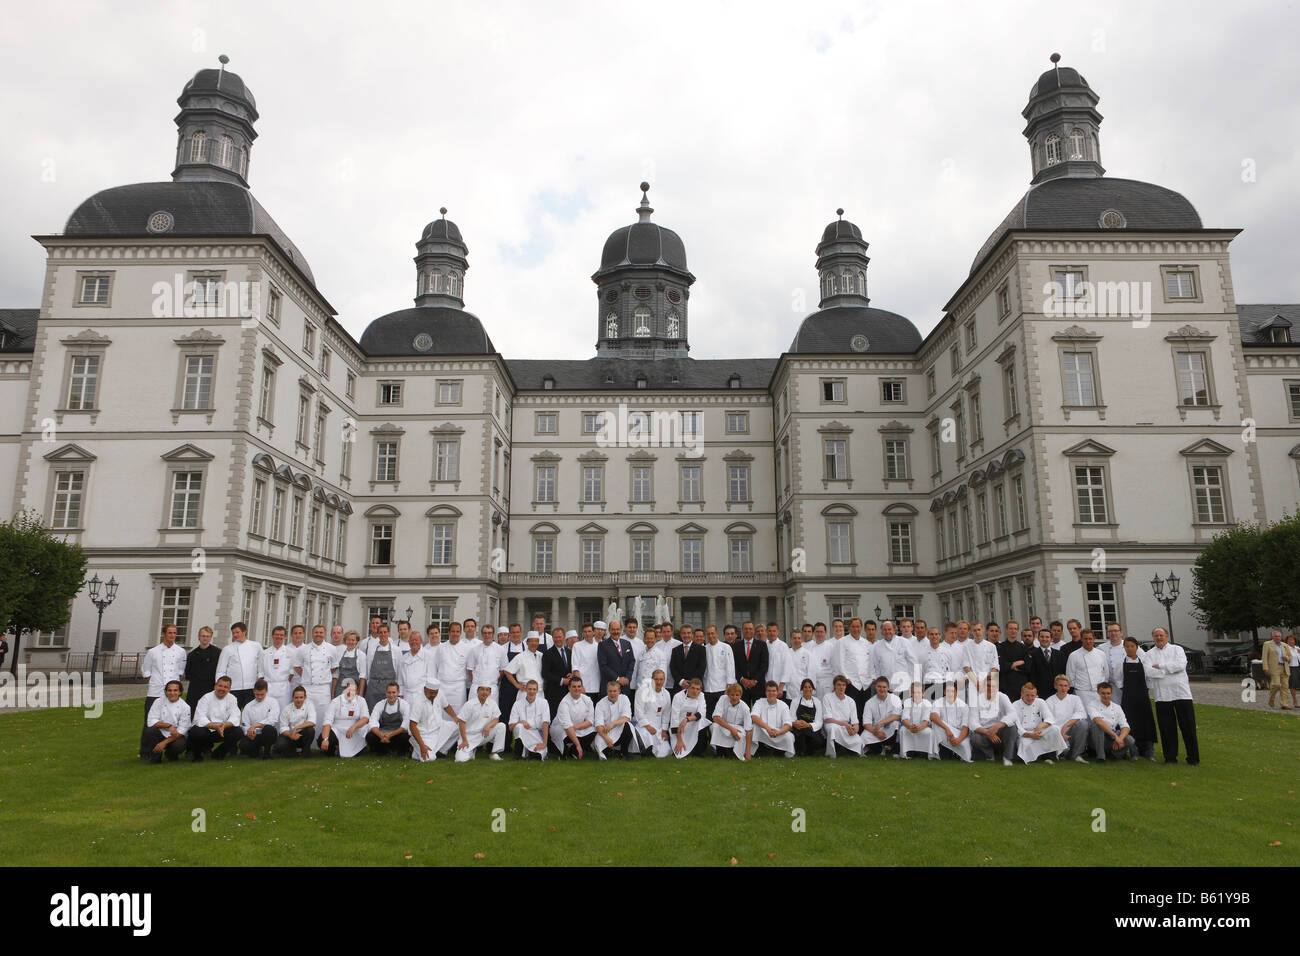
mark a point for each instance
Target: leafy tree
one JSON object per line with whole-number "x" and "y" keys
{"x": 1279, "y": 572}
{"x": 1226, "y": 582}
{"x": 39, "y": 576}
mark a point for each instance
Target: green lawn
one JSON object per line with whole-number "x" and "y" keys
{"x": 74, "y": 792}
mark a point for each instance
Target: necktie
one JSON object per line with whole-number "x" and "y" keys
{"x": 748, "y": 644}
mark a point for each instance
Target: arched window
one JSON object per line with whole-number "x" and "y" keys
{"x": 849, "y": 282}
{"x": 227, "y": 152}
{"x": 674, "y": 325}
{"x": 642, "y": 323}
{"x": 242, "y": 155}
{"x": 197, "y": 142}
{"x": 1052, "y": 147}
{"x": 453, "y": 283}
{"x": 611, "y": 326}
{"x": 862, "y": 282}
{"x": 1078, "y": 144}
{"x": 834, "y": 286}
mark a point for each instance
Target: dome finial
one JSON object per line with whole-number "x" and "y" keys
{"x": 1056, "y": 62}
{"x": 840, "y": 213}
{"x": 643, "y": 211}
{"x": 443, "y": 210}
{"x": 223, "y": 60}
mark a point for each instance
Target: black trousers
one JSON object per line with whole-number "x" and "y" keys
{"x": 148, "y": 706}
{"x": 588, "y": 742}
{"x": 518, "y": 747}
{"x": 260, "y": 744}
{"x": 860, "y": 696}
{"x": 243, "y": 697}
{"x": 808, "y": 742}
{"x": 711, "y": 698}
{"x": 203, "y": 740}
{"x": 399, "y": 742}
{"x": 701, "y": 748}
{"x": 623, "y": 741}
{"x": 879, "y": 746}
{"x": 150, "y": 739}
{"x": 287, "y": 746}
{"x": 1172, "y": 717}
{"x": 767, "y": 750}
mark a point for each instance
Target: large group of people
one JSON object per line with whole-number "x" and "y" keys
{"x": 964, "y": 691}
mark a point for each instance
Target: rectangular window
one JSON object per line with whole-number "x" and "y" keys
{"x": 386, "y": 461}
{"x": 954, "y": 360}
{"x": 345, "y": 466}
{"x": 318, "y": 436}
{"x": 737, "y": 483}
{"x": 1090, "y": 491}
{"x": 1069, "y": 283}
{"x": 187, "y": 487}
{"x": 838, "y": 547}
{"x": 1193, "y": 381}
{"x": 350, "y": 386}
{"x": 207, "y": 292}
{"x": 891, "y": 390}
{"x": 69, "y": 486}
{"x": 544, "y": 555}
{"x": 1009, "y": 603}
{"x": 390, "y": 393}
{"x": 1004, "y": 302}
{"x": 295, "y": 521}
{"x": 447, "y": 465}
{"x": 976, "y": 419}
{"x": 1030, "y": 607}
{"x": 959, "y": 417}
{"x": 592, "y": 554}
{"x": 641, "y": 554}
{"x": 737, "y": 423}
{"x": 259, "y": 495}
{"x": 1000, "y": 508}
{"x": 833, "y": 390}
{"x": 341, "y": 546}
{"x": 273, "y": 311}
{"x": 591, "y": 422}
{"x": 94, "y": 290}
{"x": 381, "y": 544}
{"x": 593, "y": 483}
{"x": 277, "y": 515}
{"x": 900, "y": 542}
{"x": 930, "y": 388}
{"x": 895, "y": 458}
{"x": 641, "y": 483}
{"x": 198, "y": 381}
{"x": 965, "y": 526}
{"x": 449, "y": 393}
{"x": 1207, "y": 484}
{"x": 443, "y": 543}
{"x": 304, "y": 415}
{"x": 266, "y": 400}
{"x": 309, "y": 338}
{"x": 175, "y": 609}
{"x": 954, "y": 541}
{"x": 690, "y": 424}
{"x": 936, "y": 452}
{"x": 1009, "y": 386}
{"x": 982, "y": 517}
{"x": 1080, "y": 388}
{"x": 836, "y": 459}
{"x": 545, "y": 491}
{"x": 325, "y": 361}
{"x": 313, "y": 530}
{"x": 1022, "y": 510}
{"x": 547, "y": 423}
{"x": 83, "y": 389}
{"x": 939, "y": 548}
{"x": 692, "y": 489}
{"x": 740, "y": 556}
{"x": 844, "y": 610}
{"x": 1180, "y": 284}
{"x": 692, "y": 554}
{"x": 1293, "y": 400}
{"x": 1103, "y": 605}
{"x": 327, "y": 537}
{"x": 970, "y": 337}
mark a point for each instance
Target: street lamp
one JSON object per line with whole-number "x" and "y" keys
{"x": 1158, "y": 589}
{"x": 877, "y": 613}
{"x": 110, "y": 592}
{"x": 409, "y": 612}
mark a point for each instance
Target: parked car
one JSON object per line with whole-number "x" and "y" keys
{"x": 1196, "y": 662}
{"x": 1234, "y": 658}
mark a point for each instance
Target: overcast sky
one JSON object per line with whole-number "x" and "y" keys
{"x": 534, "y": 122}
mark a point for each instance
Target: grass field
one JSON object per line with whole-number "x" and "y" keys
{"x": 74, "y": 792}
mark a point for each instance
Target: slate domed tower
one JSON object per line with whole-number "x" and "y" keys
{"x": 1062, "y": 122}
{"x": 215, "y": 128}
{"x": 642, "y": 288}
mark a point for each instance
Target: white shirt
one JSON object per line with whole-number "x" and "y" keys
{"x": 536, "y": 714}
{"x": 317, "y": 663}
{"x": 609, "y": 711}
{"x": 983, "y": 656}
{"x": 822, "y": 666}
{"x": 162, "y": 664}
{"x": 800, "y": 668}
{"x": 835, "y": 709}
{"x": 950, "y": 660}
{"x": 654, "y": 659}
{"x": 1113, "y": 715}
{"x": 1027, "y": 717}
{"x": 344, "y": 713}
{"x": 955, "y": 714}
{"x": 427, "y": 715}
{"x": 212, "y": 710}
{"x": 453, "y": 663}
{"x": 720, "y": 668}
{"x": 477, "y": 716}
{"x": 574, "y": 711}
{"x": 736, "y": 714}
{"x": 1087, "y": 669}
{"x": 384, "y": 707}
{"x": 875, "y": 710}
{"x": 1070, "y": 708}
{"x": 854, "y": 660}
{"x": 486, "y": 663}
{"x": 995, "y": 711}
{"x": 584, "y": 657}
{"x": 684, "y": 704}
{"x": 778, "y": 662}
{"x": 1169, "y": 682}
{"x": 291, "y": 716}
{"x": 775, "y": 715}
{"x": 652, "y": 710}
{"x": 241, "y": 661}
{"x": 265, "y": 711}
{"x": 525, "y": 667}
{"x": 357, "y": 655}
{"x": 1115, "y": 657}
{"x": 164, "y": 711}
{"x": 277, "y": 664}
{"x": 416, "y": 669}
{"x": 890, "y": 659}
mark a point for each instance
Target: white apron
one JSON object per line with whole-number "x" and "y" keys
{"x": 690, "y": 735}
{"x": 721, "y": 737}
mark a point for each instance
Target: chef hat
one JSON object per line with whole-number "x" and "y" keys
{"x": 570, "y": 633}
{"x": 601, "y": 626}
{"x": 346, "y": 682}
{"x": 483, "y": 683}
{"x": 503, "y": 629}
{"x": 430, "y": 684}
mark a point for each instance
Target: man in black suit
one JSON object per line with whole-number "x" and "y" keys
{"x": 617, "y": 660}
{"x": 751, "y": 663}
{"x": 1045, "y": 661}
{"x": 557, "y": 668}
{"x": 687, "y": 661}
{"x": 1013, "y": 661}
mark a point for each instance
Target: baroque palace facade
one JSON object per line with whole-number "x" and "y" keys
{"x": 185, "y": 406}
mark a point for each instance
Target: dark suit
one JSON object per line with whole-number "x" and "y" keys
{"x": 616, "y": 660}
{"x": 1043, "y": 668}
{"x": 1012, "y": 680}
{"x": 753, "y": 667}
{"x": 556, "y": 665}
{"x": 684, "y": 666}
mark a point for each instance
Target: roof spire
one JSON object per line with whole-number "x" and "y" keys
{"x": 443, "y": 210}
{"x": 840, "y": 213}
{"x": 643, "y": 211}
{"x": 223, "y": 60}
{"x": 1056, "y": 63}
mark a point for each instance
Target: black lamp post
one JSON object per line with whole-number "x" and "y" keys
{"x": 877, "y": 613}
{"x": 110, "y": 592}
{"x": 1167, "y": 599}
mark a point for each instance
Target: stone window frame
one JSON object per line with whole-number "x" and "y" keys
{"x": 896, "y": 431}
{"x": 1191, "y": 340}
{"x": 845, "y": 514}
{"x": 376, "y": 516}
{"x": 591, "y": 533}
{"x": 640, "y": 531}
{"x": 446, "y": 432}
{"x": 592, "y": 460}
{"x": 1197, "y": 292}
{"x": 640, "y": 459}
{"x": 740, "y": 531}
{"x": 458, "y": 384}
{"x": 443, "y": 515}
{"x": 905, "y": 514}
{"x": 69, "y": 459}
{"x": 743, "y": 417}
{"x": 82, "y": 276}
{"x": 683, "y": 463}
{"x": 901, "y": 382}
{"x": 690, "y": 532}
{"x": 1092, "y": 454}
{"x": 552, "y": 417}
{"x": 835, "y": 431}
{"x": 740, "y": 459}
{"x": 184, "y": 459}
{"x": 833, "y": 380}
{"x": 87, "y": 344}
{"x": 1079, "y": 340}
{"x": 548, "y": 533}
{"x": 386, "y": 433}
{"x": 390, "y": 382}
{"x": 1207, "y": 453}
{"x": 546, "y": 460}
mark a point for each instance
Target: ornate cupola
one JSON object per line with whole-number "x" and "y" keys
{"x": 1061, "y": 125}
{"x": 642, "y": 290}
{"x": 215, "y": 128}
{"x": 440, "y": 264}
{"x": 842, "y": 264}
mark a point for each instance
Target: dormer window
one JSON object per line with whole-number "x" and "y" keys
{"x": 611, "y": 326}
{"x": 548, "y": 383}
{"x": 227, "y": 152}
{"x": 1280, "y": 335}
{"x": 1078, "y": 143}
{"x": 674, "y": 325}
{"x": 197, "y": 142}
{"x": 642, "y": 319}
{"x": 1052, "y": 149}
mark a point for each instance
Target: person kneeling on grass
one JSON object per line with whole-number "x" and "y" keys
{"x": 653, "y": 707}
{"x": 614, "y": 721}
{"x": 951, "y": 719}
{"x": 1039, "y": 736}
{"x": 166, "y": 726}
{"x": 297, "y": 725}
{"x": 880, "y": 717}
{"x": 431, "y": 732}
{"x": 916, "y": 734}
{"x": 1070, "y": 717}
{"x": 388, "y": 722}
{"x": 216, "y": 721}
{"x": 343, "y": 734}
{"x": 841, "y": 720}
{"x": 689, "y": 718}
{"x": 994, "y": 725}
{"x": 530, "y": 722}
{"x": 1110, "y": 724}
{"x": 772, "y": 723}
{"x": 574, "y": 728}
{"x": 259, "y": 722}
{"x": 807, "y": 725}
{"x": 480, "y": 725}
{"x": 733, "y": 729}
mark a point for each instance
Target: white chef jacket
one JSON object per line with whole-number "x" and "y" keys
{"x": 890, "y": 659}
{"x": 955, "y": 714}
{"x": 384, "y": 707}
{"x": 684, "y": 704}
{"x": 822, "y": 667}
{"x": 983, "y": 657}
{"x": 775, "y": 715}
{"x": 164, "y": 711}
{"x": 835, "y": 709}
{"x": 416, "y": 670}
{"x": 265, "y": 711}
{"x": 735, "y": 714}
{"x": 525, "y": 667}
{"x": 1027, "y": 717}
{"x": 800, "y": 668}
{"x": 476, "y": 716}
{"x": 317, "y": 663}
{"x": 875, "y": 710}
{"x": 1113, "y": 715}
{"x": 916, "y": 711}
{"x": 162, "y": 664}
{"x": 291, "y": 716}
{"x": 427, "y": 714}
{"x": 1087, "y": 669}
{"x": 607, "y": 712}
{"x": 585, "y": 660}
{"x": 358, "y": 655}
{"x": 778, "y": 662}
{"x": 537, "y": 713}
{"x": 343, "y": 713}
{"x": 486, "y": 662}
{"x": 1071, "y": 708}
{"x": 653, "y": 710}
{"x": 720, "y": 668}
{"x": 853, "y": 660}
{"x": 952, "y": 660}
{"x": 933, "y": 663}
{"x": 654, "y": 659}
{"x": 1115, "y": 662}
{"x": 995, "y": 711}
{"x": 241, "y": 661}
{"x": 570, "y": 712}
{"x": 211, "y": 710}
{"x": 453, "y": 662}
{"x": 277, "y": 664}
{"x": 1170, "y": 681}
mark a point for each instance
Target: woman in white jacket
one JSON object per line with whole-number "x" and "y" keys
{"x": 348, "y": 715}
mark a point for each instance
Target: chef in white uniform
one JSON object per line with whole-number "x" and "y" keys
{"x": 418, "y": 665}
{"x": 1110, "y": 728}
{"x": 653, "y": 708}
{"x": 993, "y": 717}
{"x": 453, "y": 666}
{"x": 882, "y": 713}
{"x": 951, "y": 720}
{"x": 719, "y": 666}
{"x": 778, "y": 660}
{"x": 345, "y": 723}
{"x": 297, "y": 725}
{"x": 771, "y": 722}
{"x": 1069, "y": 716}
{"x": 891, "y": 658}
{"x": 277, "y": 667}
{"x": 527, "y": 664}
{"x": 259, "y": 721}
{"x": 653, "y": 658}
{"x": 732, "y": 728}
{"x": 1087, "y": 667}
{"x": 431, "y": 733}
{"x": 241, "y": 661}
{"x": 840, "y": 717}
{"x": 800, "y": 665}
{"x": 574, "y": 725}
{"x": 166, "y": 726}
{"x": 915, "y": 731}
{"x": 316, "y": 670}
{"x": 1039, "y": 736}
{"x": 389, "y": 722}
{"x": 822, "y": 651}
{"x": 216, "y": 721}
{"x": 614, "y": 722}
{"x": 163, "y": 663}
{"x": 689, "y": 717}
{"x": 480, "y": 723}
{"x": 586, "y": 663}
{"x": 530, "y": 718}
